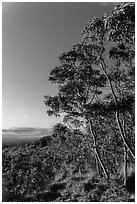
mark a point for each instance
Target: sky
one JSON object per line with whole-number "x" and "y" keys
{"x": 34, "y": 34}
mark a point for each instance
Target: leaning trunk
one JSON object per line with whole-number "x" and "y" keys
{"x": 98, "y": 158}
{"x": 97, "y": 164}
{"x": 125, "y": 165}
{"x": 122, "y": 132}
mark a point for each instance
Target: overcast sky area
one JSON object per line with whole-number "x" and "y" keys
{"x": 33, "y": 36}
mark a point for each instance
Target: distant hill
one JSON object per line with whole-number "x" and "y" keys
{"x": 23, "y": 134}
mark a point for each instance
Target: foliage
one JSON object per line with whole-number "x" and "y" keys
{"x": 59, "y": 171}
{"x": 96, "y": 94}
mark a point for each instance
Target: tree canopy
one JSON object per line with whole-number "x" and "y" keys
{"x": 96, "y": 79}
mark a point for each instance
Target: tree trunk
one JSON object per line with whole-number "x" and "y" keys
{"x": 98, "y": 158}
{"x": 122, "y": 132}
{"x": 125, "y": 164}
{"x": 97, "y": 164}
{"x": 101, "y": 163}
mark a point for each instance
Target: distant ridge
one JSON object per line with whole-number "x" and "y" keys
{"x": 25, "y": 129}
{"x": 23, "y": 134}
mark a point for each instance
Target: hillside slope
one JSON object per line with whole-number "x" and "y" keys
{"x": 57, "y": 168}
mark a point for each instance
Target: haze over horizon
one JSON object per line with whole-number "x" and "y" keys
{"x": 34, "y": 34}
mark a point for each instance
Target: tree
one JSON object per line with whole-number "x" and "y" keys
{"x": 79, "y": 85}
{"x": 96, "y": 77}
{"x": 99, "y": 35}
{"x": 112, "y": 43}
{"x": 59, "y": 131}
